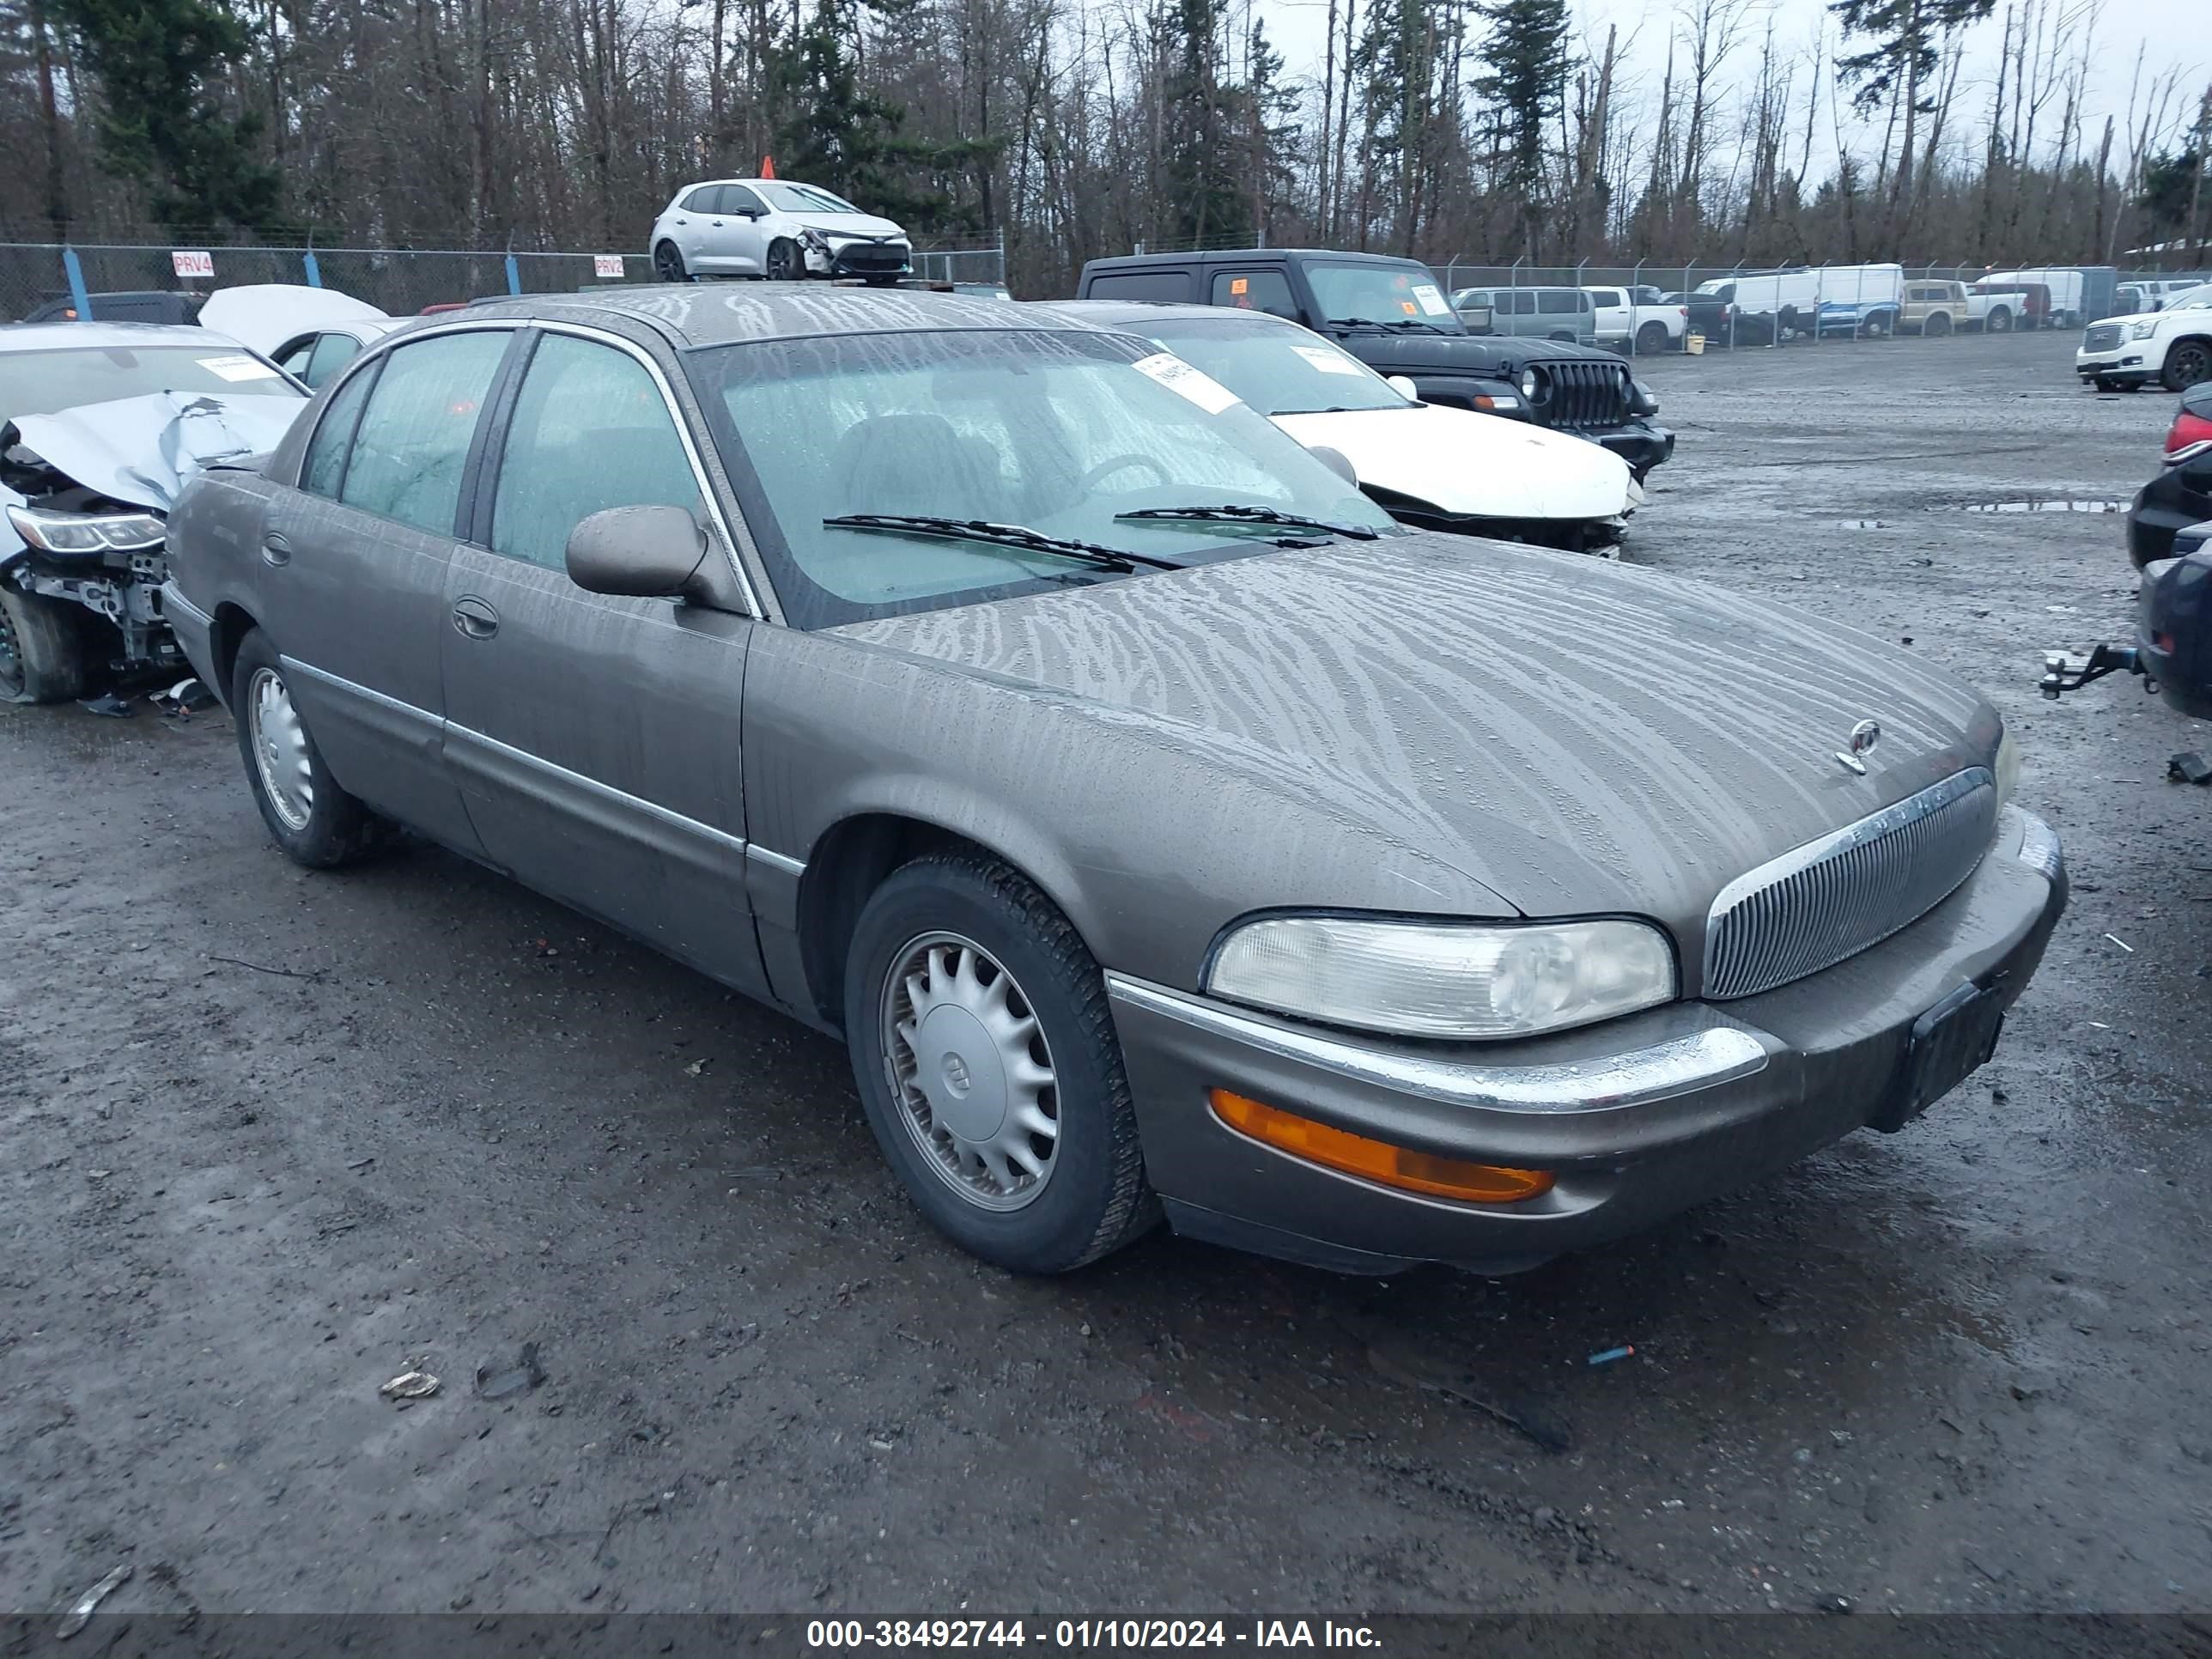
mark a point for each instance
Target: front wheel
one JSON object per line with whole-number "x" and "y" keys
{"x": 42, "y": 651}
{"x": 1651, "y": 340}
{"x": 784, "y": 263}
{"x": 1997, "y": 322}
{"x": 668, "y": 264}
{"x": 985, "y": 1058}
{"x": 316, "y": 822}
{"x": 2188, "y": 364}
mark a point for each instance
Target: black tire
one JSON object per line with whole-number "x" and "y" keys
{"x": 783, "y": 264}
{"x": 337, "y": 829}
{"x": 2188, "y": 363}
{"x": 668, "y": 263}
{"x": 2108, "y": 386}
{"x": 42, "y": 649}
{"x": 1999, "y": 321}
{"x": 1937, "y": 325}
{"x": 881, "y": 280}
{"x": 1651, "y": 340}
{"x": 1094, "y": 1198}
{"x": 1562, "y": 337}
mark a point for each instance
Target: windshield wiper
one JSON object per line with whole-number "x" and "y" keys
{"x": 1390, "y": 323}
{"x": 998, "y": 535}
{"x": 1236, "y": 515}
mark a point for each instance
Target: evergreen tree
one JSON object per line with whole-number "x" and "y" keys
{"x": 1527, "y": 62}
{"x": 162, "y": 119}
{"x": 1200, "y": 156}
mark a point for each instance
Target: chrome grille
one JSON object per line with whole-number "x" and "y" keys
{"x": 1833, "y": 898}
{"x": 2100, "y": 337}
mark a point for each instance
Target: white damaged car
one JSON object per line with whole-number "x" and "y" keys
{"x": 1437, "y": 468}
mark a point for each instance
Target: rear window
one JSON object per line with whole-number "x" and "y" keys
{"x": 1172, "y": 285}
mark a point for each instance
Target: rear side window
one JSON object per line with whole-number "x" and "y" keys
{"x": 705, "y": 199}
{"x": 332, "y": 353}
{"x": 1255, "y": 290}
{"x": 1606, "y": 296}
{"x": 591, "y": 431}
{"x": 413, "y": 442}
{"x": 1175, "y": 286}
{"x": 1562, "y": 301}
{"x": 1518, "y": 303}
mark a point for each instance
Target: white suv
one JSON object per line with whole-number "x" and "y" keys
{"x": 2173, "y": 346}
{"x": 773, "y": 228}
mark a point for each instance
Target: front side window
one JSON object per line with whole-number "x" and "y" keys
{"x": 292, "y": 355}
{"x": 736, "y": 198}
{"x": 413, "y": 441}
{"x": 1277, "y": 370}
{"x": 1393, "y": 295}
{"x": 1057, "y": 431}
{"x": 590, "y": 431}
{"x": 1255, "y": 290}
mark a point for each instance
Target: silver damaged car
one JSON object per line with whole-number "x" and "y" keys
{"x": 1166, "y": 833}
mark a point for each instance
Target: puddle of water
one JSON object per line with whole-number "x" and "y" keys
{"x": 2048, "y": 506}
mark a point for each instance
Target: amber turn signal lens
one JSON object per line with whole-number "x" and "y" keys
{"x": 1377, "y": 1160}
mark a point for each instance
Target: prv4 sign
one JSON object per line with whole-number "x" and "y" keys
{"x": 188, "y": 263}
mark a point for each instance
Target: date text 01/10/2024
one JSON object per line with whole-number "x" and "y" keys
{"x": 1085, "y": 1634}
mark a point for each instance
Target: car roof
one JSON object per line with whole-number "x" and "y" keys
{"x": 1250, "y": 256}
{"x": 703, "y": 315}
{"x": 1134, "y": 315}
{"x": 45, "y": 337}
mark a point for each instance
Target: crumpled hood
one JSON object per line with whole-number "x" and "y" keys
{"x": 140, "y": 450}
{"x": 1578, "y": 736}
{"x": 1460, "y": 462}
{"x": 852, "y": 224}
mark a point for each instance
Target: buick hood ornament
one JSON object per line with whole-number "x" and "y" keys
{"x": 1863, "y": 737}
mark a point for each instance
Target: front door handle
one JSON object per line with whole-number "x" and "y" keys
{"x": 275, "y": 550}
{"x": 475, "y": 618}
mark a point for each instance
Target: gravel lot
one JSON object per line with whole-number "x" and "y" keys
{"x": 1963, "y": 1368}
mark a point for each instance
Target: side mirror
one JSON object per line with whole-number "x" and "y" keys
{"x": 1404, "y": 387}
{"x": 1337, "y": 462}
{"x": 649, "y": 553}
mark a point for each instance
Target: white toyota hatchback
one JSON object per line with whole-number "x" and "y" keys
{"x": 773, "y": 228}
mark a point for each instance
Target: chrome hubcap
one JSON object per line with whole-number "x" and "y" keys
{"x": 279, "y": 749}
{"x": 971, "y": 1072}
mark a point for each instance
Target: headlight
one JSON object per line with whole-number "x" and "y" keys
{"x": 86, "y": 533}
{"x": 814, "y": 241}
{"x": 1528, "y": 384}
{"x": 2143, "y": 330}
{"x": 2007, "y": 767}
{"x": 1444, "y": 980}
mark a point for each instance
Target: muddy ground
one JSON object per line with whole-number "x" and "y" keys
{"x": 269, "y": 1138}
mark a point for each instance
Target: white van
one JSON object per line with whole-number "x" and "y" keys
{"x": 1773, "y": 305}
{"x": 2065, "y": 288}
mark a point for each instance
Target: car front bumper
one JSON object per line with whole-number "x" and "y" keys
{"x": 861, "y": 259}
{"x": 1642, "y": 444}
{"x": 2126, "y": 364}
{"x": 1639, "y": 1118}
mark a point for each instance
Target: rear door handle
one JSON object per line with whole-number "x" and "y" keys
{"x": 275, "y": 550}
{"x": 475, "y": 618}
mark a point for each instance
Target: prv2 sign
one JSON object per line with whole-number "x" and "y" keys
{"x": 188, "y": 263}
{"x": 607, "y": 264}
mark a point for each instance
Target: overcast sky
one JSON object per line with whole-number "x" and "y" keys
{"x": 2177, "y": 32}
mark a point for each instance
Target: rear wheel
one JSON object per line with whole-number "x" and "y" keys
{"x": 2188, "y": 364}
{"x": 315, "y": 822}
{"x": 668, "y": 264}
{"x": 1562, "y": 336}
{"x": 784, "y": 263}
{"x": 985, "y": 1055}
{"x": 2104, "y": 384}
{"x": 1999, "y": 321}
{"x": 1937, "y": 325}
{"x": 1651, "y": 340}
{"x": 42, "y": 654}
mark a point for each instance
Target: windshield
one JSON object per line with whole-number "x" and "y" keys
{"x": 1054, "y": 431}
{"x": 1348, "y": 293}
{"x": 47, "y": 382}
{"x": 2191, "y": 299}
{"x": 803, "y": 198}
{"x": 1277, "y": 370}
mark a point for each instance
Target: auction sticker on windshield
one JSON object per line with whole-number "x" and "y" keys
{"x": 1180, "y": 378}
{"x": 237, "y": 369}
{"x": 1327, "y": 361}
{"x": 1431, "y": 298}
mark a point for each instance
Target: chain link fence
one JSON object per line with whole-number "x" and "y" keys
{"x": 38, "y": 276}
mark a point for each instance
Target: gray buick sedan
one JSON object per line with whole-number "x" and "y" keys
{"x": 1165, "y": 832}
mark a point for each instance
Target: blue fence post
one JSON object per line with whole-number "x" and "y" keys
{"x": 513, "y": 275}
{"x": 74, "y": 272}
{"x": 314, "y": 271}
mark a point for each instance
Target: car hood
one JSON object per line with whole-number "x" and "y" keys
{"x": 1498, "y": 356}
{"x": 262, "y": 316}
{"x": 140, "y": 450}
{"x": 1577, "y": 737}
{"x": 1460, "y": 462}
{"x": 851, "y": 224}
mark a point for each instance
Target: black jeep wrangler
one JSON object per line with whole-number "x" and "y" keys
{"x": 1392, "y": 314}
